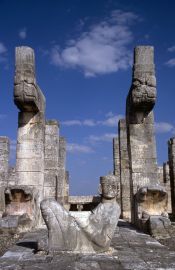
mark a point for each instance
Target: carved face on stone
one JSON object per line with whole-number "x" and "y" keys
{"x": 144, "y": 92}
{"x": 109, "y": 190}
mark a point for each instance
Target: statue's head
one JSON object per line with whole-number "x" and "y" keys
{"x": 108, "y": 186}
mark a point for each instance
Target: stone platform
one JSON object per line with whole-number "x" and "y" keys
{"x": 130, "y": 249}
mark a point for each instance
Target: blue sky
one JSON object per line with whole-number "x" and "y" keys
{"x": 83, "y": 53}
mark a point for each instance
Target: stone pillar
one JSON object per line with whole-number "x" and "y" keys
{"x": 124, "y": 171}
{"x": 51, "y": 158}
{"x": 4, "y": 166}
{"x": 31, "y": 124}
{"x": 66, "y": 189}
{"x": 116, "y": 160}
{"x": 116, "y": 165}
{"x": 140, "y": 123}
{"x": 171, "y": 156}
{"x": 160, "y": 175}
{"x": 61, "y": 179}
{"x": 166, "y": 180}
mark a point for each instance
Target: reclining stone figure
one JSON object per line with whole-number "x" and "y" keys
{"x": 67, "y": 233}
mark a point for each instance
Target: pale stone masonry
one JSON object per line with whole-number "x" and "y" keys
{"x": 116, "y": 166}
{"x": 40, "y": 170}
{"x": 140, "y": 123}
{"x": 40, "y": 152}
{"x": 61, "y": 179}
{"x": 140, "y": 176}
{"x": 31, "y": 123}
{"x": 166, "y": 181}
{"x": 51, "y": 158}
{"x": 171, "y": 156}
{"x": 4, "y": 157}
{"x": 116, "y": 159}
{"x": 124, "y": 171}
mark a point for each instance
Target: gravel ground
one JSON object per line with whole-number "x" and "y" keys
{"x": 169, "y": 242}
{"x": 7, "y": 240}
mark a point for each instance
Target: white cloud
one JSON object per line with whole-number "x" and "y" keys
{"x": 171, "y": 62}
{"x": 89, "y": 122}
{"x": 108, "y": 137}
{"x": 101, "y": 50}
{"x": 171, "y": 49}
{"x": 3, "y": 53}
{"x": 110, "y": 121}
{"x": 3, "y": 49}
{"x": 164, "y": 127}
{"x": 23, "y": 33}
{"x": 78, "y": 148}
{"x": 72, "y": 123}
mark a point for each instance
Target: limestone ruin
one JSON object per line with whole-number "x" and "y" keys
{"x": 143, "y": 196}
{"x": 40, "y": 153}
{"x": 145, "y": 191}
{"x": 91, "y": 235}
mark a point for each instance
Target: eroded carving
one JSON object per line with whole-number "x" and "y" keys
{"x": 142, "y": 94}
{"x": 151, "y": 201}
{"x": 93, "y": 234}
{"x": 27, "y": 94}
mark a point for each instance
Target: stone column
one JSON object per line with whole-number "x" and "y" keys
{"x": 4, "y": 166}
{"x": 66, "y": 191}
{"x": 116, "y": 160}
{"x": 51, "y": 158}
{"x": 31, "y": 124}
{"x": 171, "y": 156}
{"x": 140, "y": 122}
{"x": 61, "y": 180}
{"x": 124, "y": 171}
{"x": 166, "y": 180}
{"x": 116, "y": 165}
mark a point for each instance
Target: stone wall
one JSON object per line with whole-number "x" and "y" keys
{"x": 171, "y": 156}
{"x": 51, "y": 156}
{"x": 61, "y": 179}
{"x": 4, "y": 159}
{"x": 40, "y": 153}
{"x": 166, "y": 181}
{"x": 124, "y": 171}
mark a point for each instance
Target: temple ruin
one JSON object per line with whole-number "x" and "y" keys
{"x": 40, "y": 152}
{"x": 145, "y": 191}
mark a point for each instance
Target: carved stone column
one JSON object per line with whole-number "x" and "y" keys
{"x": 31, "y": 123}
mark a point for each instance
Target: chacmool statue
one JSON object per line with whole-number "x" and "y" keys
{"x": 67, "y": 233}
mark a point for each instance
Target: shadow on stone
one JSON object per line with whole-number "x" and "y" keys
{"x": 29, "y": 244}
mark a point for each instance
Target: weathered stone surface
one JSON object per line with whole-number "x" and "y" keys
{"x": 61, "y": 179}
{"x": 171, "y": 156}
{"x": 166, "y": 181}
{"x": 20, "y": 200}
{"x": 151, "y": 200}
{"x": 4, "y": 159}
{"x": 141, "y": 181}
{"x": 130, "y": 249}
{"x": 27, "y": 94}
{"x": 140, "y": 128}
{"x": 142, "y": 95}
{"x": 158, "y": 226}
{"x": 124, "y": 171}
{"x": 31, "y": 123}
{"x": 93, "y": 234}
{"x": 51, "y": 156}
{"x": 116, "y": 166}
